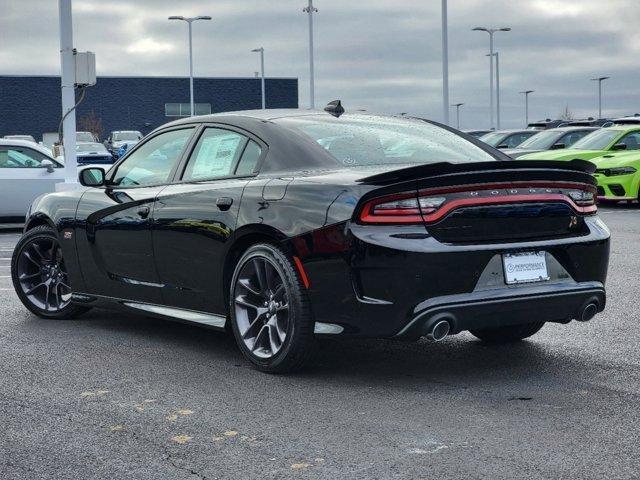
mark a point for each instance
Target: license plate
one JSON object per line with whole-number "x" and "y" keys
{"x": 525, "y": 267}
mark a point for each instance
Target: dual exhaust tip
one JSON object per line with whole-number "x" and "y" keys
{"x": 588, "y": 312}
{"x": 439, "y": 329}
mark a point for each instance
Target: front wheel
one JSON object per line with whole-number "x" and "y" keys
{"x": 40, "y": 277}
{"x": 270, "y": 313}
{"x": 507, "y": 334}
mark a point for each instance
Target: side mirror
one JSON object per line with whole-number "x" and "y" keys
{"x": 92, "y": 177}
{"x": 503, "y": 145}
{"x": 48, "y": 164}
{"x": 619, "y": 146}
{"x": 558, "y": 146}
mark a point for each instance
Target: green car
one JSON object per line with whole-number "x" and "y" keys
{"x": 618, "y": 176}
{"x": 596, "y": 144}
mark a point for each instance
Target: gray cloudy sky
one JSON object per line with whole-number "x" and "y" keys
{"x": 381, "y": 55}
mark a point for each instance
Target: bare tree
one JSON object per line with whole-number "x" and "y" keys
{"x": 91, "y": 123}
{"x": 566, "y": 113}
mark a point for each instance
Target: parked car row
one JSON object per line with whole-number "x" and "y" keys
{"x": 616, "y": 153}
{"x": 615, "y": 150}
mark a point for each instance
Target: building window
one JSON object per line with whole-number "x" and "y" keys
{"x": 184, "y": 109}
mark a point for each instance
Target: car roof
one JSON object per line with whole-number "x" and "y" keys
{"x": 623, "y": 128}
{"x": 517, "y": 130}
{"x": 568, "y": 129}
{"x": 266, "y": 114}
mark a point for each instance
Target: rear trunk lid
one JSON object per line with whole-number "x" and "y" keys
{"x": 487, "y": 202}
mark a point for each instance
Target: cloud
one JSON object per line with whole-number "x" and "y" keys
{"x": 149, "y": 46}
{"x": 382, "y": 55}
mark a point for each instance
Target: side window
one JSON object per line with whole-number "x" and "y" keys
{"x": 632, "y": 141}
{"x": 249, "y": 159}
{"x": 513, "y": 140}
{"x": 20, "y": 157}
{"x": 153, "y": 161}
{"x": 215, "y": 154}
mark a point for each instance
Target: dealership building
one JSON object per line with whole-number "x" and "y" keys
{"x": 32, "y": 104}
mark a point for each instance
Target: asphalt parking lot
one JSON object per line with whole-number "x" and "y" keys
{"x": 122, "y": 396}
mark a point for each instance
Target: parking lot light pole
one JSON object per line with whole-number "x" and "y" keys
{"x": 526, "y": 106}
{"x": 190, "y": 20}
{"x": 497, "y": 55}
{"x": 310, "y": 9}
{"x": 445, "y": 64}
{"x": 457, "y": 105}
{"x": 67, "y": 80}
{"x": 491, "y": 31}
{"x": 600, "y": 80}
{"x": 261, "y": 50}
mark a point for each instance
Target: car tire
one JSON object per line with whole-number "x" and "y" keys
{"x": 507, "y": 334}
{"x": 39, "y": 275}
{"x": 270, "y": 312}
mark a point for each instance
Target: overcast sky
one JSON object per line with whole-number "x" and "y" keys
{"x": 380, "y": 55}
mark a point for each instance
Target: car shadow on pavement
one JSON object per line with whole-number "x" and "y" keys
{"x": 458, "y": 361}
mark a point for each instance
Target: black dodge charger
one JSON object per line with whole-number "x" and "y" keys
{"x": 286, "y": 225}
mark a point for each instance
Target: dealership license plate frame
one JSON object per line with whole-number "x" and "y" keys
{"x": 515, "y": 276}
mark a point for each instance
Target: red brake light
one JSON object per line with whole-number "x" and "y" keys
{"x": 402, "y": 208}
{"x": 434, "y": 204}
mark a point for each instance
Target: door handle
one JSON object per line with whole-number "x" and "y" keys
{"x": 144, "y": 211}
{"x": 224, "y": 203}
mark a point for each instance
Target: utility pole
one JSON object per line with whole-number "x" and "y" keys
{"x": 445, "y": 64}
{"x": 67, "y": 80}
{"x": 491, "y": 31}
{"x": 261, "y": 51}
{"x": 190, "y": 20}
{"x": 497, "y": 55}
{"x": 600, "y": 80}
{"x": 526, "y": 106}
{"x": 457, "y": 105}
{"x": 310, "y": 9}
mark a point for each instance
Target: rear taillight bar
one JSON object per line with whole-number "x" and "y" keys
{"x": 432, "y": 205}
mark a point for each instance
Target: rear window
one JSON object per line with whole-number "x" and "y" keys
{"x": 355, "y": 140}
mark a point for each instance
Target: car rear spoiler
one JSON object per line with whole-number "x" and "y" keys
{"x": 444, "y": 168}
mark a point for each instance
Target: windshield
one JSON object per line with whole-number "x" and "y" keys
{"x": 493, "y": 138}
{"x": 542, "y": 140}
{"x": 119, "y": 136}
{"x": 356, "y": 140}
{"x": 84, "y": 137}
{"x": 91, "y": 147}
{"x": 27, "y": 138}
{"x": 598, "y": 140}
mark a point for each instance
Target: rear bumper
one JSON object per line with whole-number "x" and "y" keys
{"x": 495, "y": 308}
{"x": 387, "y": 282}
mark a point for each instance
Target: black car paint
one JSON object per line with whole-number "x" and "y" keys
{"x": 172, "y": 244}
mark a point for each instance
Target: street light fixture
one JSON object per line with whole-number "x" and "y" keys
{"x": 457, "y": 105}
{"x": 190, "y": 20}
{"x": 600, "y": 80}
{"x": 491, "y": 31}
{"x": 310, "y": 9}
{"x": 526, "y": 105}
{"x": 261, "y": 50}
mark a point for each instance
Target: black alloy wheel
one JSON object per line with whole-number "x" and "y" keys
{"x": 40, "y": 277}
{"x": 270, "y": 314}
